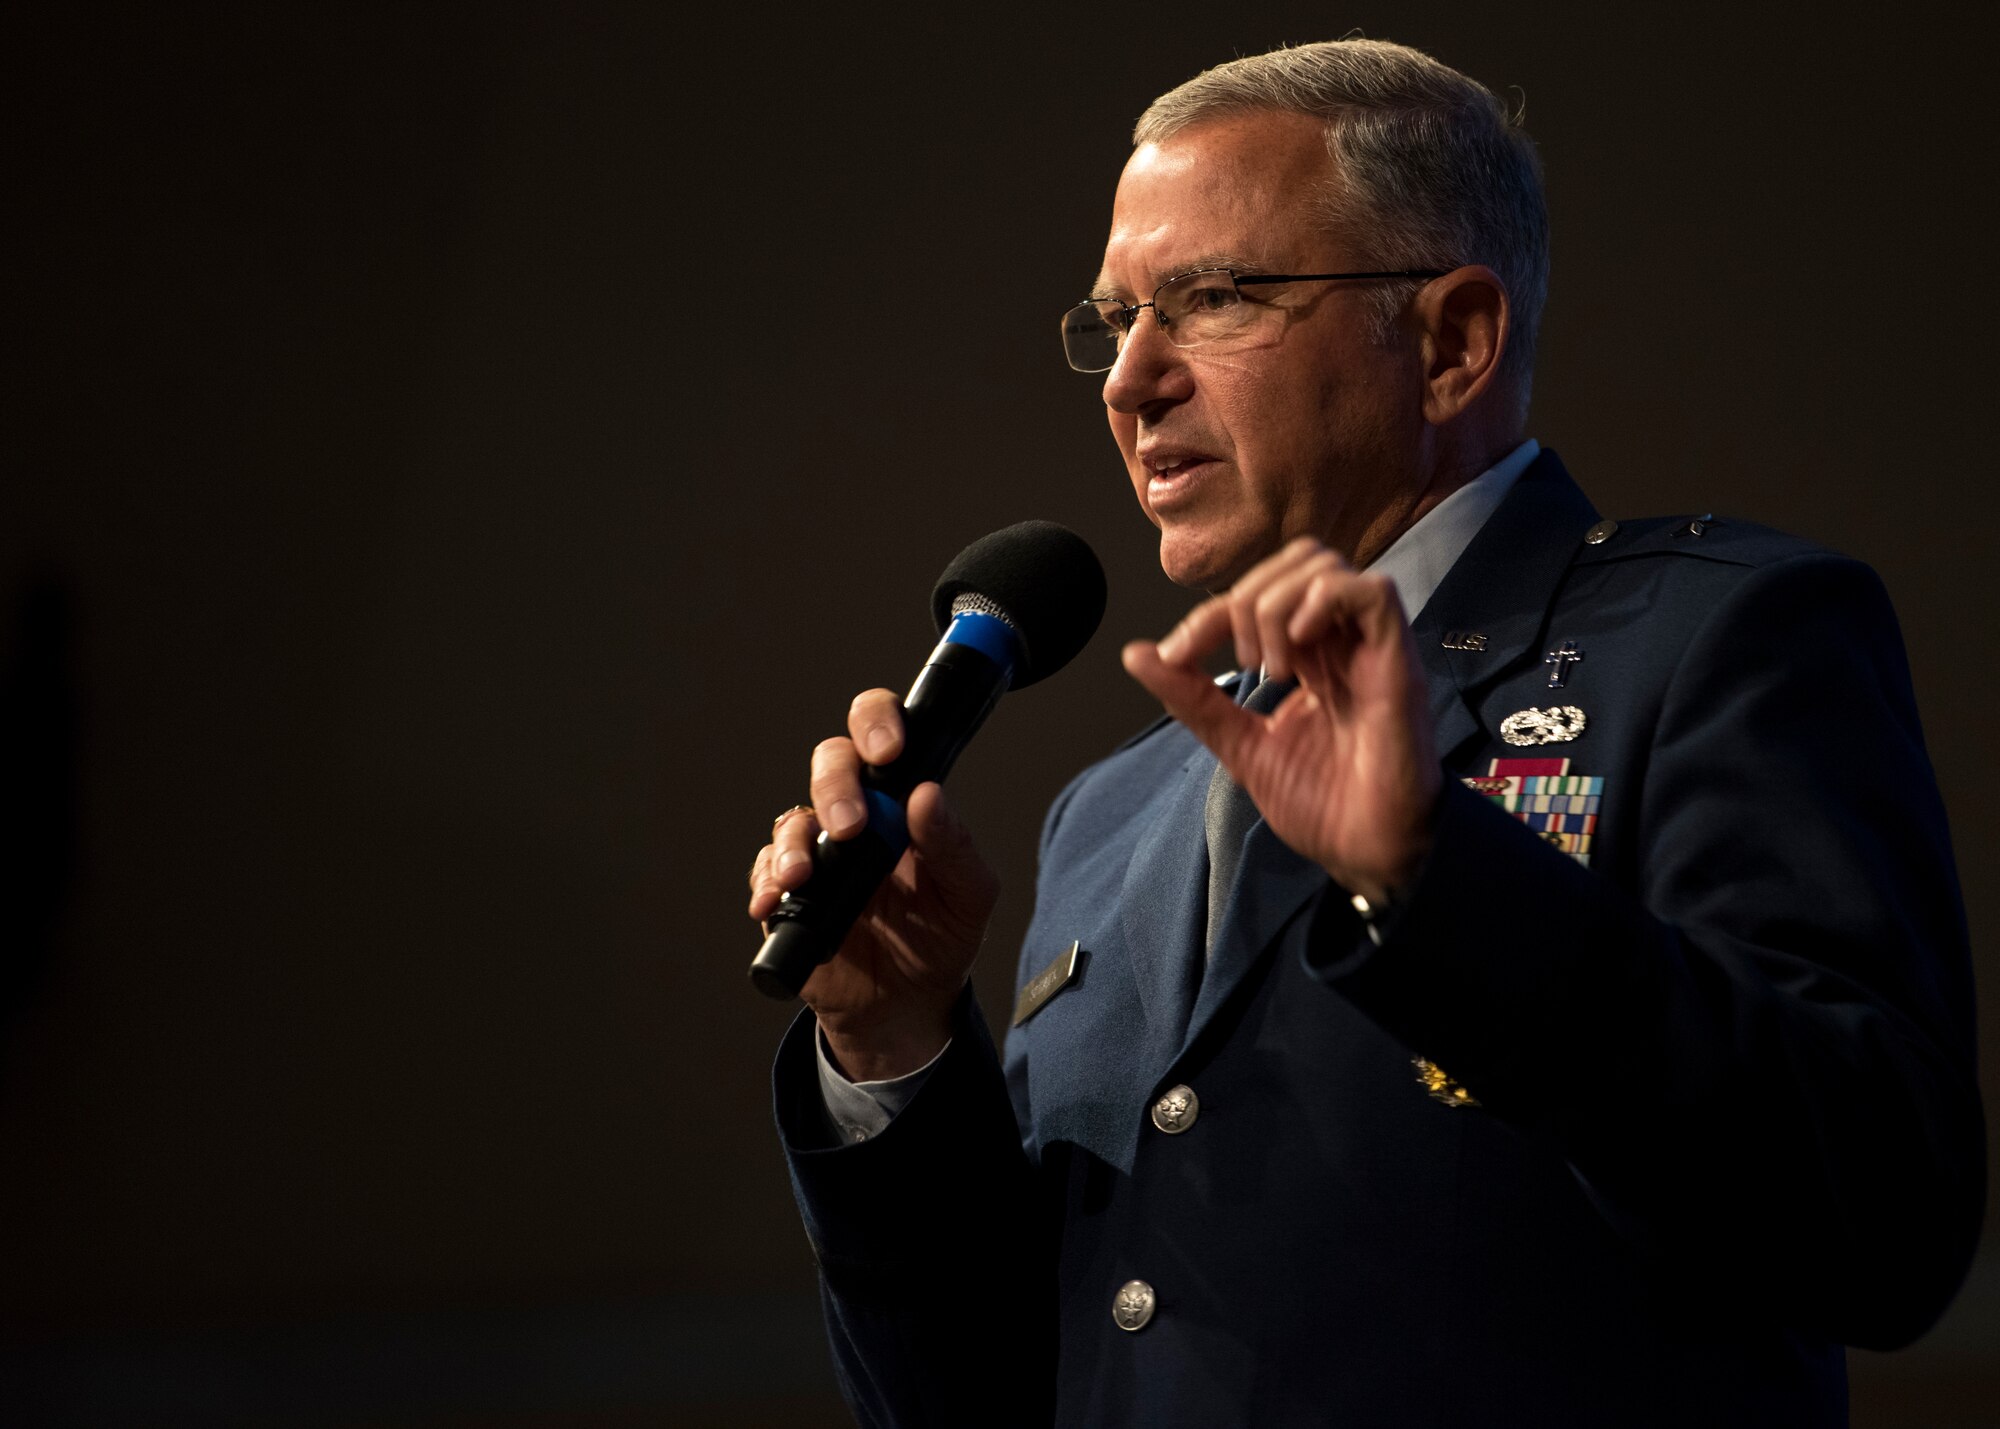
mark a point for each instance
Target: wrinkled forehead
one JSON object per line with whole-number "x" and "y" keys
{"x": 1240, "y": 192}
{"x": 1239, "y": 262}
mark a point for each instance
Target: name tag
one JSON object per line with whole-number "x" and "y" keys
{"x": 1045, "y": 984}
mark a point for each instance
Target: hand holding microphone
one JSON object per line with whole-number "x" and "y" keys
{"x": 885, "y": 1000}
{"x": 879, "y": 871}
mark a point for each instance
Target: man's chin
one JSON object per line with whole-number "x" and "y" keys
{"x": 1196, "y": 564}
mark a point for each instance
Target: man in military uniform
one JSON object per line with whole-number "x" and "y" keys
{"x": 1534, "y": 990}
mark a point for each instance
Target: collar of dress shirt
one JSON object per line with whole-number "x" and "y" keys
{"x": 1419, "y": 558}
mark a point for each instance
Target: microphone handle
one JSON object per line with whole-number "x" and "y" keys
{"x": 952, "y": 696}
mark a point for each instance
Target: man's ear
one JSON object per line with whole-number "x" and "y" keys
{"x": 1464, "y": 321}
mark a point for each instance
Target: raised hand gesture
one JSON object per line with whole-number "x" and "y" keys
{"x": 1343, "y": 770}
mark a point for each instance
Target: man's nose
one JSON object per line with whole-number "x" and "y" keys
{"x": 1149, "y": 369}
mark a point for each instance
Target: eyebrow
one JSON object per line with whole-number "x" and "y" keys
{"x": 1102, "y": 288}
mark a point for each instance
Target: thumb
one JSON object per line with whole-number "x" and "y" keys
{"x": 934, "y": 825}
{"x": 948, "y": 854}
{"x": 938, "y": 834}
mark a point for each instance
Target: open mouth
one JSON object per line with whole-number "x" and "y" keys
{"x": 1174, "y": 477}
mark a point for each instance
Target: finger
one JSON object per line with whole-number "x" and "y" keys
{"x": 1351, "y": 639}
{"x": 785, "y": 863}
{"x": 836, "y": 788}
{"x": 875, "y": 724}
{"x": 760, "y": 876}
{"x": 1274, "y": 605}
{"x": 934, "y": 825}
{"x": 765, "y": 887}
{"x": 944, "y": 842}
{"x": 1193, "y": 699}
{"x": 1368, "y": 603}
{"x": 791, "y": 849}
{"x": 1200, "y": 631}
{"x": 1243, "y": 596}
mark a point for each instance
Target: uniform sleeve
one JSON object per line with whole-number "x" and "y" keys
{"x": 1760, "y": 1061}
{"x": 937, "y": 1270}
{"x": 936, "y": 1237}
{"x": 859, "y": 1110}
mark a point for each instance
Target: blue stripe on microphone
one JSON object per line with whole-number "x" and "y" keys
{"x": 989, "y": 635}
{"x": 887, "y": 821}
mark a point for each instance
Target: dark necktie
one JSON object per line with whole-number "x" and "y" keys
{"x": 1228, "y": 815}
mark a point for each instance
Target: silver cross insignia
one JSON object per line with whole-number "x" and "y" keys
{"x": 1559, "y": 660}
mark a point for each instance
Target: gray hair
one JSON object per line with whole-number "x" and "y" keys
{"x": 1431, "y": 171}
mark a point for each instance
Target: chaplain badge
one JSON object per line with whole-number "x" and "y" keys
{"x": 1558, "y": 724}
{"x": 1542, "y": 793}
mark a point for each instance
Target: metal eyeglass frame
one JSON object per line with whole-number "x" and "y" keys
{"x": 1129, "y": 315}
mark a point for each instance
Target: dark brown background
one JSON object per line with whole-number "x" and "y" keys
{"x": 458, "y": 464}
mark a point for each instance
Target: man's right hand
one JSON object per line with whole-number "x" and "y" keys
{"x": 884, "y": 1001}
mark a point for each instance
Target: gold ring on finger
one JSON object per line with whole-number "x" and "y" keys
{"x": 795, "y": 809}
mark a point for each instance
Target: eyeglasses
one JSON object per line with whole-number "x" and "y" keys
{"x": 1193, "y": 309}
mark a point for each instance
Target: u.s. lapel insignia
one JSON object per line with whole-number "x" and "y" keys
{"x": 1558, "y": 724}
{"x": 1464, "y": 640}
{"x": 1560, "y": 806}
{"x": 1036, "y": 992}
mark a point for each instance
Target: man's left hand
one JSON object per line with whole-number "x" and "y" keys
{"x": 1343, "y": 770}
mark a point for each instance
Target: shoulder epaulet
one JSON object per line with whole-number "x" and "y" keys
{"x": 1702, "y": 535}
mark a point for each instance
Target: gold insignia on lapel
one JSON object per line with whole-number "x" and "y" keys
{"x": 1464, "y": 640}
{"x": 1441, "y": 1087}
{"x": 1045, "y": 984}
{"x": 1555, "y": 725}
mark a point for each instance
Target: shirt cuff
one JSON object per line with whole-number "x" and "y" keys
{"x": 861, "y": 1109}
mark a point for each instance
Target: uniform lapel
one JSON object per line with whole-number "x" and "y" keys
{"x": 1160, "y": 910}
{"x": 1500, "y": 588}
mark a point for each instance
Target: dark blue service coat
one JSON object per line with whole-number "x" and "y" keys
{"x": 1721, "y": 1116}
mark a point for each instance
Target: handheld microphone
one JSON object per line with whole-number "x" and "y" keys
{"x": 1012, "y": 608}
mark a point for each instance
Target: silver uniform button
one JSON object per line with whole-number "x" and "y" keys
{"x": 1175, "y": 1112}
{"x": 1133, "y": 1309}
{"x": 1600, "y": 533}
